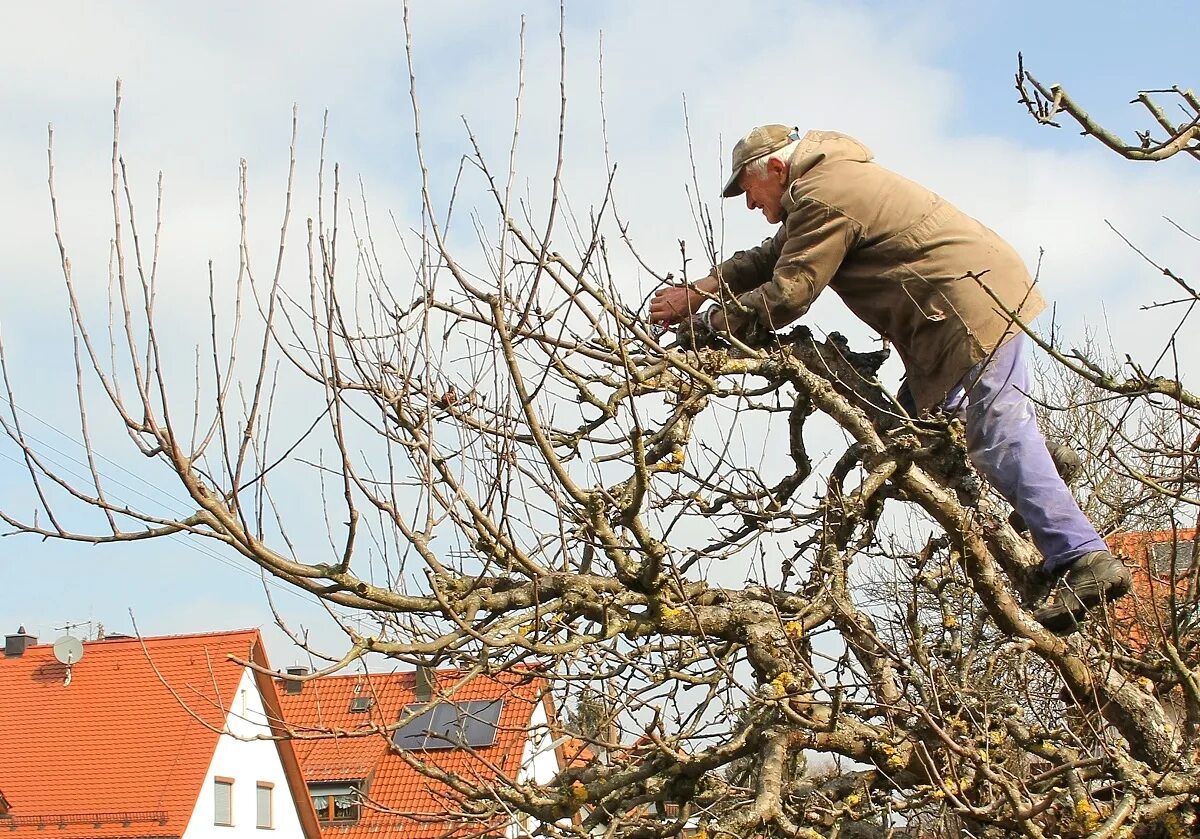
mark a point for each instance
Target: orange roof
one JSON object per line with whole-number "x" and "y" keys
{"x": 1141, "y": 618}
{"x": 399, "y": 796}
{"x": 115, "y": 753}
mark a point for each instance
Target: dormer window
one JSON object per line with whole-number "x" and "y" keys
{"x": 337, "y": 802}
{"x": 360, "y": 704}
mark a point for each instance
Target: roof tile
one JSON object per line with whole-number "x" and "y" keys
{"x": 1139, "y": 620}
{"x": 116, "y": 740}
{"x": 400, "y": 796}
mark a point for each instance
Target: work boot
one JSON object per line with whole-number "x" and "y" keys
{"x": 1090, "y": 580}
{"x": 1034, "y": 585}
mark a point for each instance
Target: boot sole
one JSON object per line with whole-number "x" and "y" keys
{"x": 1062, "y": 619}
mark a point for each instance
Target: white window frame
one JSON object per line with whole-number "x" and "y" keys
{"x": 269, "y": 789}
{"x": 218, "y": 783}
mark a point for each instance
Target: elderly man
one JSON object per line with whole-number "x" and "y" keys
{"x": 909, "y": 264}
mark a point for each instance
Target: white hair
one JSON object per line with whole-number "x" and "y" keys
{"x": 758, "y": 168}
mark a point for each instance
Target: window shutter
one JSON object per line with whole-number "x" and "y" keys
{"x": 222, "y": 802}
{"x": 264, "y": 806}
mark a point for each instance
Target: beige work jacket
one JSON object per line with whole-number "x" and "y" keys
{"x": 902, "y": 259}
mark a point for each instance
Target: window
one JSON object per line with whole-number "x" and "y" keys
{"x": 223, "y": 802}
{"x": 360, "y": 704}
{"x": 1166, "y": 557}
{"x": 450, "y": 725}
{"x": 265, "y": 792}
{"x": 336, "y": 802}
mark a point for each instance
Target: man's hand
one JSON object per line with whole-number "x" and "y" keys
{"x": 674, "y": 304}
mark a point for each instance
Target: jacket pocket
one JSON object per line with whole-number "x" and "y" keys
{"x": 926, "y": 298}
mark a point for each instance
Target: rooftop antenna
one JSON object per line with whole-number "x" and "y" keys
{"x": 68, "y": 650}
{"x": 69, "y": 628}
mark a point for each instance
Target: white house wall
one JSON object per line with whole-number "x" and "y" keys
{"x": 539, "y": 763}
{"x": 247, "y": 761}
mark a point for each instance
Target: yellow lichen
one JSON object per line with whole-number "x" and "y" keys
{"x": 793, "y": 629}
{"x": 669, "y": 612}
{"x": 949, "y": 621}
{"x": 783, "y": 681}
{"x": 853, "y": 799}
{"x": 673, "y": 463}
{"x": 892, "y": 758}
{"x": 951, "y": 787}
{"x": 1176, "y": 828}
{"x": 1089, "y": 818}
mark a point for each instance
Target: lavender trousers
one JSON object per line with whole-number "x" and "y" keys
{"x": 1007, "y": 448}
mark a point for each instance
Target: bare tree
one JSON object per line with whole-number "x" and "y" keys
{"x": 523, "y": 474}
{"x": 1127, "y": 452}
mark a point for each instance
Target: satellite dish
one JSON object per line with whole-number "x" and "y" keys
{"x": 68, "y": 650}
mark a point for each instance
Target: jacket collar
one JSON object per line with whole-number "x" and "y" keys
{"x": 814, "y": 148}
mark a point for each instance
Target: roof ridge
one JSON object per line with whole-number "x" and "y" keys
{"x": 224, "y": 633}
{"x": 338, "y": 676}
{"x": 147, "y": 639}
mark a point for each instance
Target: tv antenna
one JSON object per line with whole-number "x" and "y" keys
{"x": 68, "y": 650}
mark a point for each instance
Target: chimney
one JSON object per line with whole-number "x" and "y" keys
{"x": 15, "y": 645}
{"x": 423, "y": 684}
{"x": 294, "y": 686}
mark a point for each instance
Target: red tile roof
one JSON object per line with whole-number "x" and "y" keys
{"x": 400, "y": 797}
{"x": 1139, "y": 620}
{"x": 116, "y": 753}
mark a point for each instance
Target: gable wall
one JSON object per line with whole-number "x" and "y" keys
{"x": 247, "y": 761}
{"x": 539, "y": 763}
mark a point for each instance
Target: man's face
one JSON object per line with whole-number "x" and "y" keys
{"x": 765, "y": 192}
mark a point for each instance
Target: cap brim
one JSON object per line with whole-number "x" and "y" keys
{"x": 733, "y": 186}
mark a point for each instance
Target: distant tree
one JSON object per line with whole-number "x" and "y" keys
{"x": 592, "y": 717}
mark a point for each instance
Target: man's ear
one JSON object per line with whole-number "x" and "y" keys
{"x": 777, "y": 168}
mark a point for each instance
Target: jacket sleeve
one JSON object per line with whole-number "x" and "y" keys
{"x": 749, "y": 269}
{"x": 816, "y": 239}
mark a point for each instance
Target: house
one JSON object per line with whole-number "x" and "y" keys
{"x": 487, "y": 730}
{"x": 156, "y": 737}
{"x": 1165, "y": 589}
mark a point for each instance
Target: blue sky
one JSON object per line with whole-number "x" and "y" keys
{"x": 929, "y": 86}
